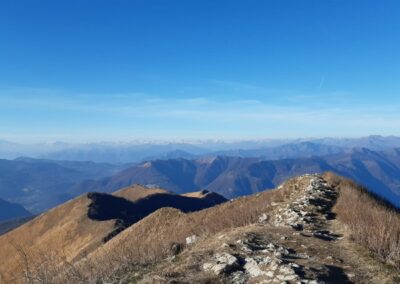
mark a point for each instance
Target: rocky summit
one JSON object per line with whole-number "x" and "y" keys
{"x": 287, "y": 253}
{"x": 298, "y": 240}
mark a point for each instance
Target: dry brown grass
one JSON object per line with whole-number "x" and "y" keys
{"x": 371, "y": 222}
{"x": 64, "y": 231}
{"x": 152, "y": 238}
{"x": 149, "y": 240}
{"x": 48, "y": 249}
{"x": 137, "y": 192}
{"x": 63, "y": 235}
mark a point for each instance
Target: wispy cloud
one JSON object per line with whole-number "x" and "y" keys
{"x": 321, "y": 84}
{"x": 245, "y": 86}
{"x": 237, "y": 117}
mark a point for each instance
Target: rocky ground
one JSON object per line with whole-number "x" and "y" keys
{"x": 299, "y": 241}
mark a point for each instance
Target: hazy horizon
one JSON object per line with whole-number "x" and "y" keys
{"x": 192, "y": 140}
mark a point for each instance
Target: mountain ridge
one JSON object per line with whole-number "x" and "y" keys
{"x": 311, "y": 229}
{"x": 237, "y": 176}
{"x": 77, "y": 227}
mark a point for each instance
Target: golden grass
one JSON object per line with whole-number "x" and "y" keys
{"x": 147, "y": 241}
{"x": 52, "y": 242}
{"x": 372, "y": 223}
{"x": 152, "y": 238}
{"x": 65, "y": 231}
{"x": 137, "y": 192}
{"x": 196, "y": 194}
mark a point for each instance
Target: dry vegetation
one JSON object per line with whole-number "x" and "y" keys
{"x": 371, "y": 222}
{"x": 64, "y": 234}
{"x": 137, "y": 192}
{"x": 152, "y": 239}
{"x": 65, "y": 231}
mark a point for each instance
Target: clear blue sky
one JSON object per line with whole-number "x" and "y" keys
{"x": 81, "y": 70}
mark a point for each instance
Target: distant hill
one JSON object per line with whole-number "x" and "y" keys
{"x": 101, "y": 153}
{"x": 42, "y": 184}
{"x": 373, "y": 142}
{"x": 12, "y": 211}
{"x": 39, "y": 185}
{"x": 236, "y": 176}
{"x": 286, "y": 151}
{"x": 139, "y": 151}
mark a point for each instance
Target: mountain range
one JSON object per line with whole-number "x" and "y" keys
{"x": 139, "y": 151}
{"x": 41, "y": 184}
{"x": 237, "y": 176}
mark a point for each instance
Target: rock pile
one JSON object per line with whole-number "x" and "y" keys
{"x": 256, "y": 259}
{"x": 310, "y": 209}
{"x": 223, "y": 263}
{"x": 264, "y": 262}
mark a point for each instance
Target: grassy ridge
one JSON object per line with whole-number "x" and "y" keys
{"x": 372, "y": 222}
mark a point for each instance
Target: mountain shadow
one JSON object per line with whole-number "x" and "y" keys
{"x": 104, "y": 207}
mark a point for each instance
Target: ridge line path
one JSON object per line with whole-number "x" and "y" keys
{"x": 298, "y": 241}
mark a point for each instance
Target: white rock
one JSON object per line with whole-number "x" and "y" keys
{"x": 225, "y": 258}
{"x": 224, "y": 262}
{"x": 252, "y": 268}
{"x": 191, "y": 240}
{"x": 290, "y": 277}
{"x": 207, "y": 266}
{"x": 263, "y": 218}
{"x": 286, "y": 270}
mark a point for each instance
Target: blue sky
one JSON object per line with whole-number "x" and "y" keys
{"x": 121, "y": 70}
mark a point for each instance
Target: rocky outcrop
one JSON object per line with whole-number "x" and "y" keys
{"x": 261, "y": 259}
{"x": 223, "y": 263}
{"x": 309, "y": 210}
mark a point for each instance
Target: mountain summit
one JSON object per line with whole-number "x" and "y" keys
{"x": 310, "y": 229}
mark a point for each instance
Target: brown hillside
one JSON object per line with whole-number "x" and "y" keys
{"x": 198, "y": 194}
{"x": 66, "y": 231}
{"x": 74, "y": 229}
{"x": 311, "y": 229}
{"x": 137, "y": 192}
{"x": 294, "y": 234}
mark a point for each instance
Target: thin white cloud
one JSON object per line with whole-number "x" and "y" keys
{"x": 321, "y": 83}
{"x": 245, "y": 86}
{"x": 227, "y": 117}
